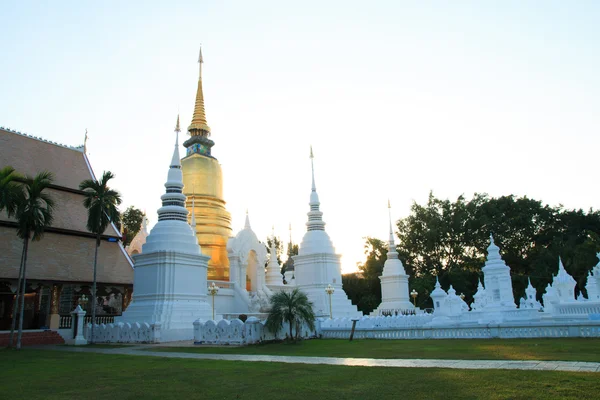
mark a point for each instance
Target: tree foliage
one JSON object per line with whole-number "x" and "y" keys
{"x": 34, "y": 213}
{"x": 101, "y": 202}
{"x": 449, "y": 239}
{"x": 11, "y": 192}
{"x": 278, "y": 247}
{"x": 293, "y": 308}
{"x": 131, "y": 219}
{"x": 364, "y": 289}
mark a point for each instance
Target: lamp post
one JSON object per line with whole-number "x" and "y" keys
{"x": 414, "y": 295}
{"x": 212, "y": 290}
{"x": 329, "y": 290}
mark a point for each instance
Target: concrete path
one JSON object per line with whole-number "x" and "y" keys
{"x": 352, "y": 362}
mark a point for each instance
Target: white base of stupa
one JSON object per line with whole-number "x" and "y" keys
{"x": 341, "y": 306}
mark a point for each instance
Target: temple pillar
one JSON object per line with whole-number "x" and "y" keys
{"x": 55, "y": 306}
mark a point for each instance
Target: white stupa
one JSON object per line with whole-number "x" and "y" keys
{"x": 498, "y": 284}
{"x": 317, "y": 265}
{"x": 274, "y": 276}
{"x": 170, "y": 274}
{"x": 394, "y": 281}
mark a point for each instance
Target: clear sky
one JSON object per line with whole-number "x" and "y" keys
{"x": 397, "y": 99}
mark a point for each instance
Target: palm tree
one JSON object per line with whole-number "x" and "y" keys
{"x": 101, "y": 203}
{"x": 11, "y": 194}
{"x": 10, "y": 191}
{"x": 34, "y": 215}
{"x": 292, "y": 308}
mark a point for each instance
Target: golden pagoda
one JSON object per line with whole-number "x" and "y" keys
{"x": 203, "y": 186}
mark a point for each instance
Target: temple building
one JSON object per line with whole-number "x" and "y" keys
{"x": 60, "y": 265}
{"x": 203, "y": 186}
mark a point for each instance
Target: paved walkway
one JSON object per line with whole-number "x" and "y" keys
{"x": 142, "y": 350}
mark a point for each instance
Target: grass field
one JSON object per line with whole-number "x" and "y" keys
{"x": 44, "y": 374}
{"x": 565, "y": 349}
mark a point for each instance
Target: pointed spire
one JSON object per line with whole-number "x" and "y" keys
{"x": 174, "y": 200}
{"x": 247, "y": 223}
{"x": 315, "y": 220}
{"x": 85, "y": 139}
{"x": 199, "y": 126}
{"x": 312, "y": 165}
{"x": 392, "y": 245}
{"x": 175, "y": 162}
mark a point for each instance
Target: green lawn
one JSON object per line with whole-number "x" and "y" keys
{"x": 566, "y": 349}
{"x": 44, "y": 374}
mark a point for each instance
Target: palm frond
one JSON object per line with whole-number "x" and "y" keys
{"x": 101, "y": 202}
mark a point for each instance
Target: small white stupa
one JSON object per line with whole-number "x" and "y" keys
{"x": 274, "y": 276}
{"x": 498, "y": 284}
{"x": 170, "y": 273}
{"x": 394, "y": 280}
{"x": 317, "y": 265}
{"x": 563, "y": 284}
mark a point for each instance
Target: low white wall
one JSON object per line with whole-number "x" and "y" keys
{"x": 237, "y": 332}
{"x": 369, "y": 330}
{"x": 124, "y": 333}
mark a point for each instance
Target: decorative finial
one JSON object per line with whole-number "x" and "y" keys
{"x": 312, "y": 165}
{"x": 85, "y": 141}
{"x": 177, "y": 129}
{"x": 392, "y": 245}
{"x": 200, "y": 62}
{"x": 247, "y": 223}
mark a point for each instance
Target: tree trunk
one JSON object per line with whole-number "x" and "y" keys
{"x": 16, "y": 308}
{"x": 24, "y": 285}
{"x": 94, "y": 289}
{"x": 291, "y": 330}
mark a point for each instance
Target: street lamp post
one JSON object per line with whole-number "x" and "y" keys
{"x": 414, "y": 295}
{"x": 212, "y": 290}
{"x": 329, "y": 290}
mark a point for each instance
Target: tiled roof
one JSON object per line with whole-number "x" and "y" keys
{"x": 29, "y": 156}
{"x": 69, "y": 166}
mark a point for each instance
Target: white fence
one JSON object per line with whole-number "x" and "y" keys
{"x": 123, "y": 333}
{"x": 367, "y": 330}
{"x": 237, "y": 332}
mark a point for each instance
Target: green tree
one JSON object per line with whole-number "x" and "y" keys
{"x": 131, "y": 220}
{"x": 364, "y": 289}
{"x": 293, "y": 308}
{"x": 11, "y": 195}
{"x": 11, "y": 192}
{"x": 278, "y": 247}
{"x": 34, "y": 215}
{"x": 101, "y": 202}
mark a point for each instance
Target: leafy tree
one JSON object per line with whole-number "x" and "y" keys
{"x": 101, "y": 202}
{"x": 278, "y": 247}
{"x": 364, "y": 290}
{"x": 293, "y": 308}
{"x": 450, "y": 239}
{"x": 292, "y": 251}
{"x": 34, "y": 215}
{"x": 131, "y": 219}
{"x": 11, "y": 192}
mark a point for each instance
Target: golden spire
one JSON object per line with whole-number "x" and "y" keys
{"x": 199, "y": 126}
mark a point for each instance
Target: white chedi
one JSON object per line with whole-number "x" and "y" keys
{"x": 498, "y": 283}
{"x": 170, "y": 273}
{"x": 563, "y": 284}
{"x": 394, "y": 281}
{"x": 317, "y": 265}
{"x": 530, "y": 300}
{"x": 274, "y": 276}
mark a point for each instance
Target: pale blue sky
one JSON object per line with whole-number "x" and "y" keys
{"x": 397, "y": 98}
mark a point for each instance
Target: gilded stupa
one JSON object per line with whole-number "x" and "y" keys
{"x": 203, "y": 186}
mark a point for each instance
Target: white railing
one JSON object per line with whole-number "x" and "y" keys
{"x": 503, "y": 330}
{"x": 222, "y": 284}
